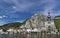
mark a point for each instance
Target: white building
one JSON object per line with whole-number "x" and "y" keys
{"x": 1, "y": 30}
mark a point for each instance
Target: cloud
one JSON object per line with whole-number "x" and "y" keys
{"x": 24, "y": 5}
{"x": 28, "y": 5}
{"x": 3, "y": 16}
{"x": 20, "y": 6}
{"x": 50, "y": 4}
{"x": 19, "y": 21}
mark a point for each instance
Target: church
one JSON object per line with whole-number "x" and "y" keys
{"x": 50, "y": 25}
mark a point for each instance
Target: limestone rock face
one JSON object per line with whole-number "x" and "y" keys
{"x": 36, "y": 21}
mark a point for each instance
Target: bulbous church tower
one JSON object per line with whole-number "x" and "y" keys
{"x": 49, "y": 16}
{"x": 49, "y": 24}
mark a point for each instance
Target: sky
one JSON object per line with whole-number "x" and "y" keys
{"x": 19, "y": 10}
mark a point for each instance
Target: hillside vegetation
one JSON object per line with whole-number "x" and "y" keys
{"x": 10, "y": 25}
{"x": 57, "y": 23}
{"x": 13, "y": 25}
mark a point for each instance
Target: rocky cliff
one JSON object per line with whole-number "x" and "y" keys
{"x": 36, "y": 21}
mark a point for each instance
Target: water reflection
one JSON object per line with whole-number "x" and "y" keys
{"x": 27, "y": 36}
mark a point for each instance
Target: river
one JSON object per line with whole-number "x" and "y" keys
{"x": 27, "y": 36}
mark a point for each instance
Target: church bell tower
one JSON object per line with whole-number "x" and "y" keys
{"x": 49, "y": 18}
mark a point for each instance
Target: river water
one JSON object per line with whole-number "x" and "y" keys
{"x": 28, "y": 36}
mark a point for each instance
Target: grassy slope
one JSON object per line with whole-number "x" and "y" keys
{"x": 10, "y": 25}
{"x": 57, "y": 23}
{"x": 13, "y": 25}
